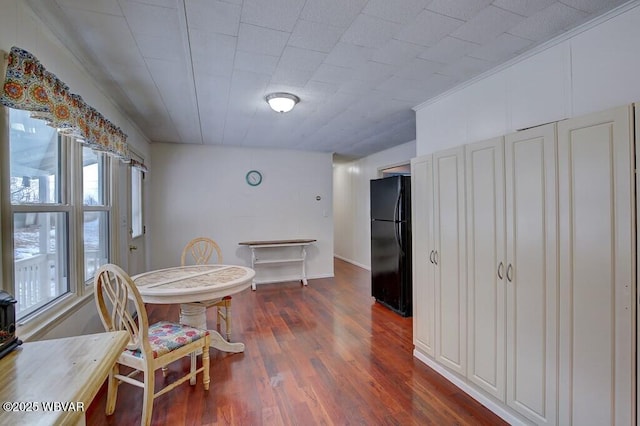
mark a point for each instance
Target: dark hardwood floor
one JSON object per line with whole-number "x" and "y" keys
{"x": 325, "y": 354}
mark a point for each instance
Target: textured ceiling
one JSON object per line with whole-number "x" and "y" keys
{"x": 197, "y": 71}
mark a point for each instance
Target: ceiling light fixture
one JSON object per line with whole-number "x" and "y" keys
{"x": 282, "y": 102}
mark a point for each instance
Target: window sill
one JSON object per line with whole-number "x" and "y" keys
{"x": 38, "y": 326}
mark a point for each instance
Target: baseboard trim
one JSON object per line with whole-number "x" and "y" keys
{"x": 353, "y": 262}
{"x": 496, "y": 408}
{"x": 291, "y": 279}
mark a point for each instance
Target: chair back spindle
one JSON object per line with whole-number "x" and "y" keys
{"x": 200, "y": 250}
{"x": 115, "y": 286}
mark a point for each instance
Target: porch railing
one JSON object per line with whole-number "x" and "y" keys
{"x": 35, "y": 278}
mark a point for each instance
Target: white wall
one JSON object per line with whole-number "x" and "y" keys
{"x": 20, "y": 27}
{"x": 595, "y": 69}
{"x": 351, "y": 201}
{"x": 201, "y": 191}
{"x": 84, "y": 321}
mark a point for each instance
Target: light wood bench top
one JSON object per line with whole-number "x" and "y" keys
{"x": 68, "y": 371}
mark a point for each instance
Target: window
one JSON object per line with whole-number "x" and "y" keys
{"x": 59, "y": 197}
{"x": 95, "y": 212}
{"x": 137, "y": 228}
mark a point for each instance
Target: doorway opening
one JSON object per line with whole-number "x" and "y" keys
{"x": 398, "y": 170}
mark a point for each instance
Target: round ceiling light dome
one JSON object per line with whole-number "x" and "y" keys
{"x": 282, "y": 102}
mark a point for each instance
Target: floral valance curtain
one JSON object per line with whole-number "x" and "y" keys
{"x": 29, "y": 86}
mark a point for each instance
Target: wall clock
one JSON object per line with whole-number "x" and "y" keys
{"x": 254, "y": 177}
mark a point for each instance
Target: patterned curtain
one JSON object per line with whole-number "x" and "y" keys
{"x": 29, "y": 86}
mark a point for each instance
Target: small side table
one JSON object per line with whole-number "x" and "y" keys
{"x": 256, "y": 246}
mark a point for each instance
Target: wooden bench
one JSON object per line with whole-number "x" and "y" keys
{"x": 54, "y": 381}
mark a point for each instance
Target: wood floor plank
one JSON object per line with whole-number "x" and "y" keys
{"x": 325, "y": 354}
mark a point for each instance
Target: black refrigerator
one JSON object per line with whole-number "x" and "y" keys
{"x": 391, "y": 243}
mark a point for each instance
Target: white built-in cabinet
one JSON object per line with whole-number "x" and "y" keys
{"x": 422, "y": 250}
{"x": 524, "y": 270}
{"x": 531, "y": 271}
{"x": 511, "y": 279}
{"x": 448, "y": 257}
{"x": 486, "y": 266}
{"x": 597, "y": 265}
{"x": 439, "y": 274}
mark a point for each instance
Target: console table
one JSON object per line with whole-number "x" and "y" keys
{"x": 257, "y": 248}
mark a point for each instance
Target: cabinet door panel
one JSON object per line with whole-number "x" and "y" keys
{"x": 422, "y": 234}
{"x": 485, "y": 251}
{"x": 449, "y": 233}
{"x": 530, "y": 164}
{"x": 596, "y": 309}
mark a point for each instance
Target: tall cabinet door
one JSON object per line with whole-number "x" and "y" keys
{"x": 597, "y": 287}
{"x": 449, "y": 259}
{"x": 423, "y": 254}
{"x": 486, "y": 265}
{"x": 531, "y": 273}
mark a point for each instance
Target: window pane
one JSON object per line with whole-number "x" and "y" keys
{"x": 92, "y": 178}
{"x": 96, "y": 242}
{"x": 40, "y": 253}
{"x": 35, "y": 164}
{"x": 136, "y": 202}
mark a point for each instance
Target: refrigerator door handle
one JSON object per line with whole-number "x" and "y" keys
{"x": 396, "y": 218}
{"x": 398, "y": 236}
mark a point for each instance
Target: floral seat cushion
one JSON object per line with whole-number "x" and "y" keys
{"x": 165, "y": 337}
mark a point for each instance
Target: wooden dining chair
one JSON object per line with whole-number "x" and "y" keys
{"x": 150, "y": 346}
{"x": 200, "y": 251}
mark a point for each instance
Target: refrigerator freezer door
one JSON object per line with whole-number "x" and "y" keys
{"x": 385, "y": 198}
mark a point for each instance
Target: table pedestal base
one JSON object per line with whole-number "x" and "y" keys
{"x": 196, "y": 316}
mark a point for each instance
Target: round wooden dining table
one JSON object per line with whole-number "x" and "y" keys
{"x": 191, "y": 286}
